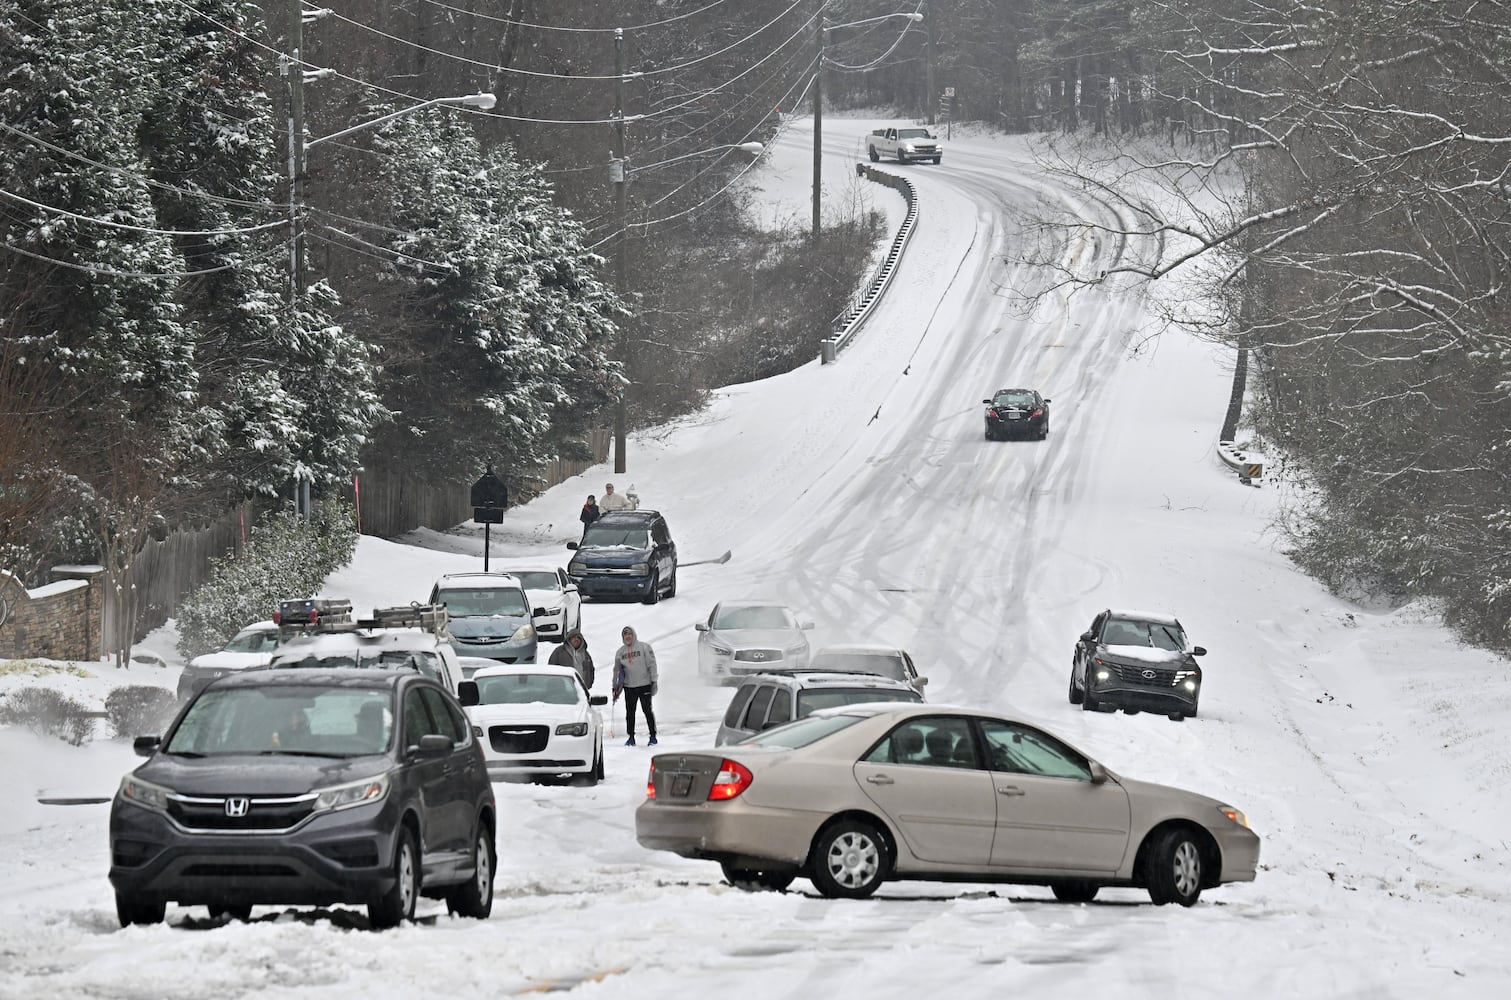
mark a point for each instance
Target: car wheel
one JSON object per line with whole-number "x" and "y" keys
{"x": 474, "y": 897}
{"x": 751, "y": 880}
{"x": 653, "y": 595}
{"x": 1043, "y": 432}
{"x": 849, "y": 860}
{"x": 598, "y": 768}
{"x": 871, "y": 152}
{"x": 1173, "y": 869}
{"x": 397, "y": 904}
{"x": 1089, "y": 701}
{"x": 139, "y": 910}
{"x": 238, "y": 911}
{"x": 989, "y": 435}
{"x": 1075, "y": 696}
{"x": 901, "y": 158}
{"x": 671, "y": 586}
{"x": 1074, "y": 890}
{"x": 1132, "y": 711}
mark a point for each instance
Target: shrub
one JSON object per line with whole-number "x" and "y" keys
{"x": 139, "y": 709}
{"x": 285, "y": 557}
{"x": 47, "y": 713}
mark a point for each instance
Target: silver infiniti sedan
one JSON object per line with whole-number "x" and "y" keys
{"x": 856, "y": 796}
{"x": 750, "y": 637}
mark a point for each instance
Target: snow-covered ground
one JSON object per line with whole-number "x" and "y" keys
{"x": 1367, "y": 746}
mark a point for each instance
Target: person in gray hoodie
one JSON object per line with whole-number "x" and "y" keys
{"x": 573, "y": 652}
{"x": 635, "y": 676}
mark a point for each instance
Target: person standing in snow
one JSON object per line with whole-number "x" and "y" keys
{"x": 589, "y": 512}
{"x": 573, "y": 652}
{"x": 635, "y": 676}
{"x": 612, "y": 501}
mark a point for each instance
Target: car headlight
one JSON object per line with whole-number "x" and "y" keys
{"x": 1235, "y": 815}
{"x": 575, "y": 568}
{"x": 721, "y": 650}
{"x": 572, "y": 729}
{"x": 796, "y": 650}
{"x": 522, "y": 633}
{"x": 550, "y": 611}
{"x": 355, "y": 793}
{"x": 640, "y": 569}
{"x": 907, "y": 147}
{"x": 144, "y": 793}
{"x": 1103, "y": 674}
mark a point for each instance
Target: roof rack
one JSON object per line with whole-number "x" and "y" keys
{"x": 425, "y": 617}
{"x": 303, "y": 612}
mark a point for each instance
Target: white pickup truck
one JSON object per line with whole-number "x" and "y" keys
{"x": 916, "y": 143}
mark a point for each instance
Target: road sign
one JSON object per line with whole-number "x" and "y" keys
{"x": 489, "y": 498}
{"x": 949, "y": 91}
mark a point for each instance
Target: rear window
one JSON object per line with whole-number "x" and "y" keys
{"x": 861, "y": 663}
{"x": 802, "y": 732}
{"x": 811, "y": 701}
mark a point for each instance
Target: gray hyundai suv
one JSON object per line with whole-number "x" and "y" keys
{"x": 307, "y": 788}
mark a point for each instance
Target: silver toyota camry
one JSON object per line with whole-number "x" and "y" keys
{"x": 856, "y": 796}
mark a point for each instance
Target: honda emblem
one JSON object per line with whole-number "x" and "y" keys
{"x": 237, "y": 808}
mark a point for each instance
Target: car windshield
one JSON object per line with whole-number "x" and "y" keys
{"x": 1014, "y": 399}
{"x": 522, "y": 689}
{"x": 809, "y": 702}
{"x": 252, "y": 641}
{"x": 532, "y": 580}
{"x": 802, "y": 732}
{"x": 885, "y": 664}
{"x": 470, "y": 602}
{"x": 386, "y": 659}
{"x": 607, "y": 537}
{"x": 297, "y": 719}
{"x": 912, "y": 133}
{"x": 758, "y": 616}
{"x": 1124, "y": 632}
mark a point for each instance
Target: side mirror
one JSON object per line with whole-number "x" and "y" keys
{"x": 805, "y": 625}
{"x": 1098, "y": 773}
{"x": 1088, "y": 636}
{"x": 920, "y": 682}
{"x": 571, "y": 545}
{"x": 598, "y": 699}
{"x": 1047, "y": 401}
{"x": 1198, "y": 650}
{"x": 433, "y": 745}
{"x": 146, "y": 746}
{"x": 987, "y": 402}
{"x": 701, "y": 626}
{"x": 570, "y": 588}
{"x": 467, "y": 694}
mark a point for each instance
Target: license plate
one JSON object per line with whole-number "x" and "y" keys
{"x": 682, "y": 784}
{"x": 1014, "y": 416}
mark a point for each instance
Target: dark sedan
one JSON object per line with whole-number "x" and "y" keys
{"x": 1016, "y": 413}
{"x": 1136, "y": 661}
{"x": 307, "y": 788}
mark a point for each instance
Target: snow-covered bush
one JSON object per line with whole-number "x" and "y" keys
{"x": 139, "y": 709}
{"x": 47, "y": 713}
{"x": 285, "y": 557}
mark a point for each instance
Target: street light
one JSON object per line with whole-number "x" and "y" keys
{"x": 619, "y": 175}
{"x": 820, "y": 28}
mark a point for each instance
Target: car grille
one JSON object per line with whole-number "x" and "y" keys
{"x": 518, "y": 739}
{"x": 479, "y": 640}
{"x": 758, "y": 655}
{"x": 1147, "y": 676}
{"x": 256, "y": 815}
{"x": 240, "y": 869}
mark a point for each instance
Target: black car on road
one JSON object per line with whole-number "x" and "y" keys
{"x": 1136, "y": 661}
{"x": 307, "y": 788}
{"x": 1016, "y": 413}
{"x": 625, "y": 554}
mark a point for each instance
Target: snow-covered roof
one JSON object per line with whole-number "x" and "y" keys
{"x": 1159, "y": 617}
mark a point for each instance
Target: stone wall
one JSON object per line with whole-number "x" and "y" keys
{"x": 58, "y": 621}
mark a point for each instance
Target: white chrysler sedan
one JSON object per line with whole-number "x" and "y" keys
{"x": 536, "y": 722}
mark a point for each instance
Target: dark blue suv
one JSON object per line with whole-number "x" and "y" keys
{"x": 626, "y": 554}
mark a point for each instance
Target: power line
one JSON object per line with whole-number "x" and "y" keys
{"x": 143, "y": 229}
{"x": 554, "y": 27}
{"x": 114, "y": 273}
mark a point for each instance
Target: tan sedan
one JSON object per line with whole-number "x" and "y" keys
{"x": 852, "y": 797}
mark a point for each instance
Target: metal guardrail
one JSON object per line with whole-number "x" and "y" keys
{"x": 1248, "y": 464}
{"x": 845, "y": 325}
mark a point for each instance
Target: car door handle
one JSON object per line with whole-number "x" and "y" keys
{"x": 880, "y": 779}
{"x": 1010, "y": 790}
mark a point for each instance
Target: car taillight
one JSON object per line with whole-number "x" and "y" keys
{"x": 991, "y": 413}
{"x": 650, "y": 783}
{"x": 733, "y": 779}
{"x": 1036, "y": 413}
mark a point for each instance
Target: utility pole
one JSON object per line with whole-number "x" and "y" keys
{"x": 621, "y": 205}
{"x": 930, "y": 99}
{"x": 295, "y": 70}
{"x": 818, "y": 120}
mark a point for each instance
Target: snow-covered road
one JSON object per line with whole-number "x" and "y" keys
{"x": 1365, "y": 745}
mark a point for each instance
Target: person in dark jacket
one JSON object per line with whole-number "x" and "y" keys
{"x": 573, "y": 652}
{"x": 589, "y": 512}
{"x": 635, "y": 676}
